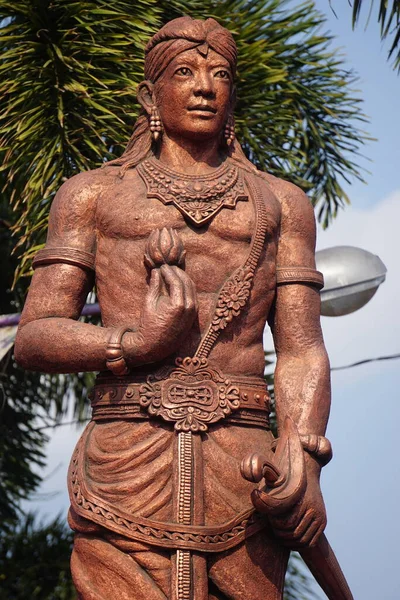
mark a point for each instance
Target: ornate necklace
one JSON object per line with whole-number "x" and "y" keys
{"x": 198, "y": 197}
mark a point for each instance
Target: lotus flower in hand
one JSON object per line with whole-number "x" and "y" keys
{"x": 164, "y": 247}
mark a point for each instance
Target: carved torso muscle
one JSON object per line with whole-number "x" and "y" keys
{"x": 121, "y": 243}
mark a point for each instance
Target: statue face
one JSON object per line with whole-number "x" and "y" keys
{"x": 193, "y": 95}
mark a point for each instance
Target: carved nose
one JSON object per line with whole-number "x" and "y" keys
{"x": 204, "y": 86}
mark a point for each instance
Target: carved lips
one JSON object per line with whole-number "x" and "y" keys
{"x": 204, "y": 111}
{"x": 203, "y": 107}
{"x": 164, "y": 247}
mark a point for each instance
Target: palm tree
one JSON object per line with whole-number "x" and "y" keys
{"x": 34, "y": 561}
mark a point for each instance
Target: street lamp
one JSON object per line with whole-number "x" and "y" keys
{"x": 351, "y": 275}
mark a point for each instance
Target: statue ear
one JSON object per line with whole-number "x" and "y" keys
{"x": 145, "y": 95}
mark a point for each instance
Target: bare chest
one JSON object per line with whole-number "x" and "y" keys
{"x": 126, "y": 217}
{"x": 130, "y": 215}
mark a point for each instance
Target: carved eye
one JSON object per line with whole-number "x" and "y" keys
{"x": 222, "y": 74}
{"x": 183, "y": 71}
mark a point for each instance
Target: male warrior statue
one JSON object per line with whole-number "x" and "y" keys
{"x": 191, "y": 250}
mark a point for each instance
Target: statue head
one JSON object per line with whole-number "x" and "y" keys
{"x": 190, "y": 66}
{"x": 189, "y": 69}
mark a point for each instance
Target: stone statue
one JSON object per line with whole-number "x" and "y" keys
{"x": 192, "y": 250}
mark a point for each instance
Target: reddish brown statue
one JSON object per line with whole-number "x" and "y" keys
{"x": 191, "y": 250}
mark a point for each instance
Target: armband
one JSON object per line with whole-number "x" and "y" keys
{"x": 115, "y": 361}
{"x": 70, "y": 256}
{"x": 285, "y": 275}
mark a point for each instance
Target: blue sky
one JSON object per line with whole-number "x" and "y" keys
{"x": 361, "y": 485}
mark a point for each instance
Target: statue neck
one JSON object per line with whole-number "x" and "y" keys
{"x": 192, "y": 158}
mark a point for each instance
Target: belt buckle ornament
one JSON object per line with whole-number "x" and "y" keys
{"x": 192, "y": 395}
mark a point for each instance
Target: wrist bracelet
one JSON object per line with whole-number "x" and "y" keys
{"x": 115, "y": 361}
{"x": 318, "y": 446}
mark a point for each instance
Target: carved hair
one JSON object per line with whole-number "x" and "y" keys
{"x": 176, "y": 37}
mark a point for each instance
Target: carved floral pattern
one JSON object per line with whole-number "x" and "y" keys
{"x": 193, "y": 395}
{"x": 232, "y": 298}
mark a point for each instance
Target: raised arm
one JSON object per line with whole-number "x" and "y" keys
{"x": 302, "y": 375}
{"x": 50, "y": 338}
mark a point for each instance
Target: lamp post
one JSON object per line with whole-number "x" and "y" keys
{"x": 352, "y": 276}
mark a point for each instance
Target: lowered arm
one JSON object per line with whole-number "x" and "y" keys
{"x": 302, "y": 375}
{"x": 49, "y": 337}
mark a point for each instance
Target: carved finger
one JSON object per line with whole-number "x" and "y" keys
{"x": 188, "y": 288}
{"x": 301, "y": 528}
{"x": 154, "y": 286}
{"x": 288, "y": 522}
{"x": 174, "y": 285}
{"x": 191, "y": 296}
{"x": 313, "y": 532}
{"x": 317, "y": 535}
{"x": 311, "y": 535}
{"x": 306, "y": 523}
{"x": 307, "y": 531}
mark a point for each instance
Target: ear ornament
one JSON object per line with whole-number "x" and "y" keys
{"x": 155, "y": 123}
{"x": 229, "y": 131}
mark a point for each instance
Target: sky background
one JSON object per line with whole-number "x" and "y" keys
{"x": 361, "y": 485}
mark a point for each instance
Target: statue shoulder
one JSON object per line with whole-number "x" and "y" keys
{"x": 288, "y": 194}
{"x": 74, "y": 205}
{"x": 80, "y": 192}
{"x": 295, "y": 204}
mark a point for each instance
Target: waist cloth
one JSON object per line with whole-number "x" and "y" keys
{"x": 160, "y": 461}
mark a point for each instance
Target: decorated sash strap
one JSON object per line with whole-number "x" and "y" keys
{"x": 235, "y": 292}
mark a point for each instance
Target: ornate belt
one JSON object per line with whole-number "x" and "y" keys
{"x": 192, "y": 395}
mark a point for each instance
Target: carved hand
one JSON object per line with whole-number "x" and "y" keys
{"x": 168, "y": 313}
{"x": 290, "y": 493}
{"x": 302, "y": 525}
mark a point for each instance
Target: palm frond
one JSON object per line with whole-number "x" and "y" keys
{"x": 389, "y": 20}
